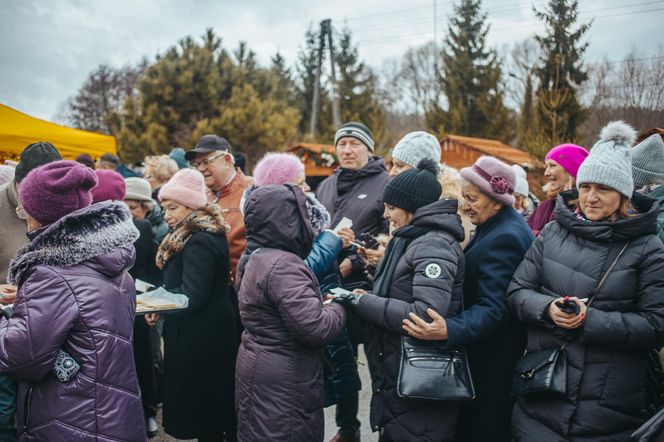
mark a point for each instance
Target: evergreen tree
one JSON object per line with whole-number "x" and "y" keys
{"x": 358, "y": 89}
{"x": 471, "y": 80}
{"x": 561, "y": 71}
{"x": 197, "y": 86}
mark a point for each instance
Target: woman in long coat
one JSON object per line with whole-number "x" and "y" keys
{"x": 200, "y": 342}
{"x": 280, "y": 392}
{"x": 493, "y": 340}
{"x": 75, "y": 295}
{"x": 608, "y": 341}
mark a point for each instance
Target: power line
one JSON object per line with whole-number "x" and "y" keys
{"x": 522, "y": 23}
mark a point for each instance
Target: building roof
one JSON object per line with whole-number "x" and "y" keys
{"x": 497, "y": 149}
{"x": 314, "y": 147}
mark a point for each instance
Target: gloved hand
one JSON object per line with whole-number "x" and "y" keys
{"x": 347, "y": 298}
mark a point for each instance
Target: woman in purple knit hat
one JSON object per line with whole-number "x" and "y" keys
{"x": 74, "y": 296}
{"x": 562, "y": 164}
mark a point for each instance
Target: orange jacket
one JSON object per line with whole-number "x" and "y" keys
{"x": 228, "y": 200}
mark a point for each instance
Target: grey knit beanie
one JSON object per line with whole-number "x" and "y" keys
{"x": 648, "y": 161}
{"x": 610, "y": 160}
{"x": 416, "y": 146}
{"x": 355, "y": 130}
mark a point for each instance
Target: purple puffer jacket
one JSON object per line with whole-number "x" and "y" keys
{"x": 75, "y": 294}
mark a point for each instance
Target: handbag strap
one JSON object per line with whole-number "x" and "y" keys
{"x": 601, "y": 282}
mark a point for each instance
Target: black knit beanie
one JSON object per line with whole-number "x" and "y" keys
{"x": 414, "y": 188}
{"x": 35, "y": 155}
{"x": 355, "y": 130}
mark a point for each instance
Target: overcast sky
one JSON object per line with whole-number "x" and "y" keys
{"x": 47, "y": 47}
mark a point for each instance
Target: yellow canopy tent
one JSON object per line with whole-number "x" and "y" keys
{"x": 17, "y": 130}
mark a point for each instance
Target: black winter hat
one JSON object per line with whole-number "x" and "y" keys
{"x": 35, "y": 155}
{"x": 355, "y": 130}
{"x": 414, "y": 188}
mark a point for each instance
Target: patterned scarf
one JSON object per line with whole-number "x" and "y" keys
{"x": 207, "y": 219}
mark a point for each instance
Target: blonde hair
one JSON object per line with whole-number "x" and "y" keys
{"x": 161, "y": 167}
{"x": 452, "y": 183}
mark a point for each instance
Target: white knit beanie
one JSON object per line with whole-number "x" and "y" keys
{"x": 415, "y": 146}
{"x": 610, "y": 160}
{"x": 521, "y": 187}
{"x": 648, "y": 161}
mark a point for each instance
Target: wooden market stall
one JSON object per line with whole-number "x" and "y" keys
{"x": 320, "y": 161}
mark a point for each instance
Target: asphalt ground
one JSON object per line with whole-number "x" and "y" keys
{"x": 330, "y": 425}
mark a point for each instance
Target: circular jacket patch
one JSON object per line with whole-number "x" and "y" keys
{"x": 433, "y": 271}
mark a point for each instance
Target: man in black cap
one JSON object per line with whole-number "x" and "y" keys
{"x": 213, "y": 158}
{"x": 13, "y": 237}
{"x": 354, "y": 191}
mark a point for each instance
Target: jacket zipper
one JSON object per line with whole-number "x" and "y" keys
{"x": 26, "y": 418}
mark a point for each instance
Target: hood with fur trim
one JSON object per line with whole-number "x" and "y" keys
{"x": 96, "y": 233}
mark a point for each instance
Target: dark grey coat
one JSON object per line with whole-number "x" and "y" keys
{"x": 415, "y": 288}
{"x": 279, "y": 388}
{"x": 606, "y": 357}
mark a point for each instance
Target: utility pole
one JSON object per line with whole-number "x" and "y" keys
{"x": 336, "y": 112}
{"x": 315, "y": 102}
{"x": 325, "y": 32}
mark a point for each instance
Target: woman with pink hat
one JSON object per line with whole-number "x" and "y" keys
{"x": 501, "y": 239}
{"x": 562, "y": 164}
{"x": 200, "y": 342}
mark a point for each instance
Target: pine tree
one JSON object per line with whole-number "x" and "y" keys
{"x": 358, "y": 89}
{"x": 471, "y": 80}
{"x": 561, "y": 71}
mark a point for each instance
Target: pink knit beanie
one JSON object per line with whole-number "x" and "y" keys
{"x": 569, "y": 156}
{"x": 186, "y": 187}
{"x": 56, "y": 189}
{"x": 278, "y": 168}
{"x": 110, "y": 186}
{"x": 493, "y": 178}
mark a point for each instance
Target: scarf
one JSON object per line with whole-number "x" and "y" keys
{"x": 395, "y": 250}
{"x": 207, "y": 219}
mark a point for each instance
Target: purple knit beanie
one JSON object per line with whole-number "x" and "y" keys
{"x": 186, "y": 187}
{"x": 493, "y": 178}
{"x": 569, "y": 156}
{"x": 278, "y": 168}
{"x": 56, "y": 189}
{"x": 110, "y": 186}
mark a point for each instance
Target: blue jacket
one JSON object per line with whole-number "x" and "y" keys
{"x": 494, "y": 342}
{"x": 322, "y": 260}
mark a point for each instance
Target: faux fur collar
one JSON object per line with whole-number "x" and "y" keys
{"x": 84, "y": 234}
{"x": 207, "y": 219}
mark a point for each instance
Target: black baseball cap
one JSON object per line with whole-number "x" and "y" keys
{"x": 207, "y": 144}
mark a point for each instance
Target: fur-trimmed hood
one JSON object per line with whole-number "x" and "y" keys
{"x": 96, "y": 233}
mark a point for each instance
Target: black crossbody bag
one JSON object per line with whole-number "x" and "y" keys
{"x": 544, "y": 373}
{"x": 430, "y": 371}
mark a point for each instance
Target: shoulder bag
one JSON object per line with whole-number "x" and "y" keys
{"x": 544, "y": 373}
{"x": 428, "y": 370}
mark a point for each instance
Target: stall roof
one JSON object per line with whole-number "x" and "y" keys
{"x": 17, "y": 130}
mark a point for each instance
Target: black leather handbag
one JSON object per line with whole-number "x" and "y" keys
{"x": 541, "y": 374}
{"x": 544, "y": 373}
{"x": 430, "y": 371}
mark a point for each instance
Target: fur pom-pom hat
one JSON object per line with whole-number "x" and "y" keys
{"x": 186, "y": 187}
{"x": 278, "y": 168}
{"x": 610, "y": 159}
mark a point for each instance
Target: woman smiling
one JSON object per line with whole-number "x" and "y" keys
{"x": 562, "y": 164}
{"x": 592, "y": 285}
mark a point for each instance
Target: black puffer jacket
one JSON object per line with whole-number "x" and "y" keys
{"x": 428, "y": 275}
{"x": 606, "y": 357}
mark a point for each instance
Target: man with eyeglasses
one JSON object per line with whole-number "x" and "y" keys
{"x": 14, "y": 237}
{"x": 212, "y": 156}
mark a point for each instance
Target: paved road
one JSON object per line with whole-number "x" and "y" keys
{"x": 330, "y": 426}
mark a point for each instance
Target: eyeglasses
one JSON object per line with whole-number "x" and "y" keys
{"x": 206, "y": 161}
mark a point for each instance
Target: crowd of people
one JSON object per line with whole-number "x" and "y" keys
{"x": 556, "y": 307}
